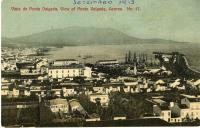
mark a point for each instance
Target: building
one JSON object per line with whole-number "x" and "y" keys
{"x": 29, "y": 71}
{"x": 65, "y": 62}
{"x": 68, "y": 91}
{"x": 33, "y": 68}
{"x": 58, "y": 105}
{"x": 69, "y": 71}
{"x": 102, "y": 98}
{"x": 161, "y": 109}
{"x": 4, "y": 90}
{"x": 40, "y": 63}
{"x": 76, "y": 106}
{"x": 119, "y": 117}
{"x": 107, "y": 62}
{"x": 193, "y": 105}
{"x": 188, "y": 108}
{"x": 99, "y": 89}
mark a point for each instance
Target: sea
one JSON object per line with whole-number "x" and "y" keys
{"x": 93, "y": 53}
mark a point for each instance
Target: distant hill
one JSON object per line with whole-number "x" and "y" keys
{"x": 75, "y": 36}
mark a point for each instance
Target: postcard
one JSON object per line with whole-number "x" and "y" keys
{"x": 100, "y": 63}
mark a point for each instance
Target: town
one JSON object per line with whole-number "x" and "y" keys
{"x": 38, "y": 91}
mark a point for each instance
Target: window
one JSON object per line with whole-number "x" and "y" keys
{"x": 169, "y": 114}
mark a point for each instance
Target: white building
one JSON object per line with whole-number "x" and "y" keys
{"x": 4, "y": 90}
{"x": 29, "y": 71}
{"x": 193, "y": 104}
{"x": 69, "y": 71}
{"x": 102, "y": 98}
{"x": 65, "y": 62}
{"x": 189, "y": 108}
{"x": 107, "y": 62}
{"x": 58, "y": 105}
{"x": 40, "y": 63}
{"x": 68, "y": 91}
{"x": 161, "y": 109}
{"x": 99, "y": 89}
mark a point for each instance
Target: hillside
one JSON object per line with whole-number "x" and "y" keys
{"x": 74, "y": 36}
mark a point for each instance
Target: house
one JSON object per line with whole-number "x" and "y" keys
{"x": 69, "y": 71}
{"x": 4, "y": 90}
{"x": 33, "y": 68}
{"x": 68, "y": 91}
{"x": 40, "y": 63}
{"x": 193, "y": 104}
{"x": 56, "y": 90}
{"x": 179, "y": 112}
{"x": 127, "y": 89}
{"x": 161, "y": 109}
{"x": 98, "y": 89}
{"x": 58, "y": 105}
{"x": 111, "y": 88}
{"x": 37, "y": 90}
{"x": 173, "y": 112}
{"x": 23, "y": 90}
{"x": 175, "y": 84}
{"x": 29, "y": 71}
{"x": 102, "y": 98}
{"x": 76, "y": 106}
{"x": 89, "y": 90}
{"x": 14, "y": 93}
{"x": 160, "y": 85}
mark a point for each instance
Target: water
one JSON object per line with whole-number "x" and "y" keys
{"x": 98, "y": 52}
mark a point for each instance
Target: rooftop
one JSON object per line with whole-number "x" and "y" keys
{"x": 66, "y": 60}
{"x": 58, "y": 101}
{"x": 105, "y": 60}
{"x": 192, "y": 98}
{"x": 159, "y": 101}
{"x": 67, "y": 67}
{"x": 95, "y": 94}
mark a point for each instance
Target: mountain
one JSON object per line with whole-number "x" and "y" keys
{"x": 74, "y": 36}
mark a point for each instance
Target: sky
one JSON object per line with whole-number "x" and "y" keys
{"x": 177, "y": 20}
